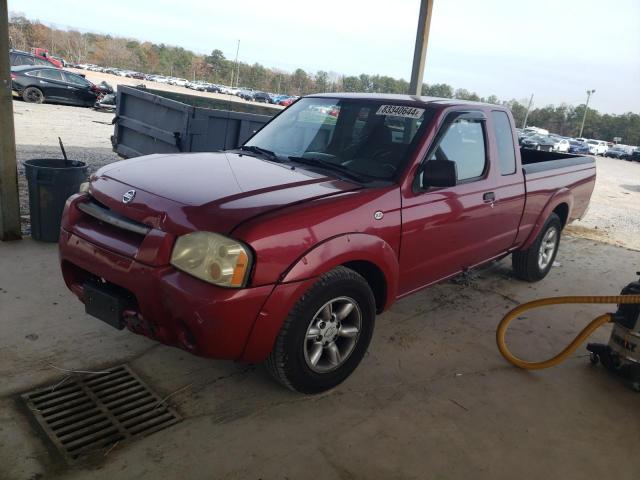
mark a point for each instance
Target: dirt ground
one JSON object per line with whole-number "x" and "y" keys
{"x": 432, "y": 399}
{"x": 613, "y": 216}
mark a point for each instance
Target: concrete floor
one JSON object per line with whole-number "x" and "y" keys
{"x": 432, "y": 399}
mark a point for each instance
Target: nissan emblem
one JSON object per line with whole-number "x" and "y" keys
{"x": 127, "y": 197}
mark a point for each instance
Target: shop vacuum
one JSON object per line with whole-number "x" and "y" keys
{"x": 620, "y": 356}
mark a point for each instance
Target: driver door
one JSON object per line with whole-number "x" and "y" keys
{"x": 448, "y": 229}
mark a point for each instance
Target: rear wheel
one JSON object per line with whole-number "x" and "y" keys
{"x": 326, "y": 333}
{"x": 33, "y": 95}
{"x": 534, "y": 263}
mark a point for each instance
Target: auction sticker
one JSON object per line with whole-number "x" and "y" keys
{"x": 400, "y": 111}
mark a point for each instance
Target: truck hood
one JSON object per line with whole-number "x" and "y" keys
{"x": 207, "y": 191}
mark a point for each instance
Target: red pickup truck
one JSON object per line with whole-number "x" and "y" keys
{"x": 285, "y": 249}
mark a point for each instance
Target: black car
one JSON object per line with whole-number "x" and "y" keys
{"x": 618, "y": 152}
{"x": 635, "y": 156}
{"x": 538, "y": 142}
{"x": 18, "y": 58}
{"x": 261, "y": 97}
{"x": 46, "y": 84}
{"x": 246, "y": 94}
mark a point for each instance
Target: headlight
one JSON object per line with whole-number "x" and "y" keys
{"x": 213, "y": 258}
{"x": 84, "y": 187}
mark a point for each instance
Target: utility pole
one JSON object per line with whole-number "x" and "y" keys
{"x": 586, "y": 107}
{"x": 526, "y": 116}
{"x": 236, "y": 68}
{"x": 9, "y": 200}
{"x": 420, "y": 52}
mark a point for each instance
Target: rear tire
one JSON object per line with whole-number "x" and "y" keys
{"x": 534, "y": 263}
{"x": 33, "y": 95}
{"x": 318, "y": 347}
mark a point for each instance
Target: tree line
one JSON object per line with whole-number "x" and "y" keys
{"x": 152, "y": 58}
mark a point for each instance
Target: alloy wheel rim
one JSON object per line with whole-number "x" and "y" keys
{"x": 332, "y": 334}
{"x": 547, "y": 248}
{"x": 34, "y": 95}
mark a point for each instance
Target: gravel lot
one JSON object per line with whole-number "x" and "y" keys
{"x": 614, "y": 212}
{"x": 85, "y": 134}
{"x": 115, "y": 80}
{"x": 613, "y": 217}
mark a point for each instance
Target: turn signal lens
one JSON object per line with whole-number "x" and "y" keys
{"x": 213, "y": 258}
{"x": 84, "y": 187}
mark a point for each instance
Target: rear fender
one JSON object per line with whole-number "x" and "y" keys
{"x": 563, "y": 195}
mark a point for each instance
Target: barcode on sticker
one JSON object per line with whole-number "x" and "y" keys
{"x": 400, "y": 111}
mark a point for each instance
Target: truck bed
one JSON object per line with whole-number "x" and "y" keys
{"x": 534, "y": 161}
{"x": 547, "y": 173}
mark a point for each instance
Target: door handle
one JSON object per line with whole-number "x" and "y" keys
{"x": 489, "y": 197}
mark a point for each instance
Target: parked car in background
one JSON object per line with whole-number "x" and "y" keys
{"x": 618, "y": 151}
{"x": 18, "y": 58}
{"x": 578, "y": 147}
{"x": 37, "y": 84}
{"x": 245, "y": 94}
{"x": 44, "y": 53}
{"x": 261, "y": 97}
{"x": 538, "y": 142}
{"x": 561, "y": 144}
{"x": 287, "y": 101}
{"x": 635, "y": 155}
{"x": 136, "y": 75}
{"x": 597, "y": 147}
{"x": 534, "y": 130}
{"x": 276, "y": 99}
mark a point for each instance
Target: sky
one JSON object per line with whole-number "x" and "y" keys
{"x": 554, "y": 49}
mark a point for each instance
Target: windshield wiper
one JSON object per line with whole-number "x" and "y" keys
{"x": 320, "y": 162}
{"x": 261, "y": 151}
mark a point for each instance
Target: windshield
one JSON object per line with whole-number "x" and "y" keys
{"x": 370, "y": 138}
{"x": 592, "y": 142}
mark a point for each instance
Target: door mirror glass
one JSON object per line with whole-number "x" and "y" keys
{"x": 439, "y": 173}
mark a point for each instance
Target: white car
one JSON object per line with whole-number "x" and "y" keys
{"x": 560, "y": 144}
{"x": 597, "y": 147}
{"x": 536, "y": 130}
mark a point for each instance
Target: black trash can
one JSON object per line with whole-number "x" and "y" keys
{"x": 51, "y": 182}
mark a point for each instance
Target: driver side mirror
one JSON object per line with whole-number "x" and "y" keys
{"x": 439, "y": 173}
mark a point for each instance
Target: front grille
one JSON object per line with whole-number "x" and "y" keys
{"x": 107, "y": 216}
{"x": 89, "y": 414}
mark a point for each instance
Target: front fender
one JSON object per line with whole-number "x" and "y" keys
{"x": 563, "y": 195}
{"x": 346, "y": 248}
{"x": 302, "y": 274}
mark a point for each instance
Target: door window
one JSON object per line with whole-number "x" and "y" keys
{"x": 76, "y": 80}
{"x": 51, "y": 74}
{"x": 504, "y": 141}
{"x": 23, "y": 60}
{"x": 463, "y": 143}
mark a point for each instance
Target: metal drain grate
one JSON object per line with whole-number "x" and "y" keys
{"x": 92, "y": 413}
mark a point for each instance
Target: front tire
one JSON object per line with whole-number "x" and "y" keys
{"x": 326, "y": 334}
{"x": 33, "y": 95}
{"x": 534, "y": 263}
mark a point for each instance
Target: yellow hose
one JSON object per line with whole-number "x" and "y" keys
{"x": 569, "y": 349}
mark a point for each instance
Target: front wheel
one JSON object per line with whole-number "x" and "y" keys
{"x": 326, "y": 334}
{"x": 534, "y": 263}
